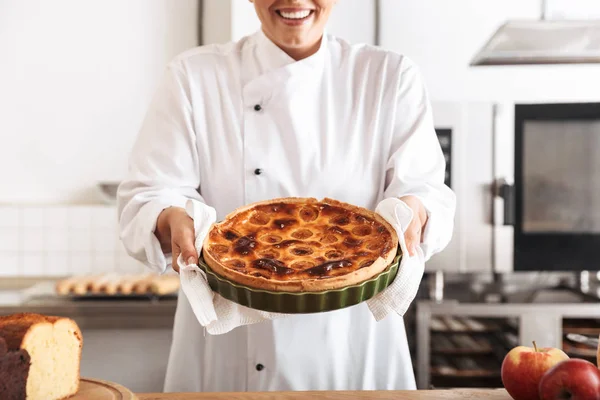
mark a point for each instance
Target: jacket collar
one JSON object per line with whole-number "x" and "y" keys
{"x": 270, "y": 57}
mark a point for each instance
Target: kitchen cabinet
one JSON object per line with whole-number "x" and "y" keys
{"x": 134, "y": 358}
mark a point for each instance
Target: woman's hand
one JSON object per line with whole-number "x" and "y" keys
{"x": 175, "y": 232}
{"x": 414, "y": 233}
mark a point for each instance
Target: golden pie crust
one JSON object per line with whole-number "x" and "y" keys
{"x": 300, "y": 245}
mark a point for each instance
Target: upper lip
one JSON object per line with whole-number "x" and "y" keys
{"x": 294, "y": 9}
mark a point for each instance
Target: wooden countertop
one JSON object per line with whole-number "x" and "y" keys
{"x": 451, "y": 394}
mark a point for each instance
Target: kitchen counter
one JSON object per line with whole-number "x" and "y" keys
{"x": 101, "y": 313}
{"x": 451, "y": 394}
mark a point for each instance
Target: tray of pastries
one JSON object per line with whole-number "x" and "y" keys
{"x": 300, "y": 255}
{"x": 116, "y": 285}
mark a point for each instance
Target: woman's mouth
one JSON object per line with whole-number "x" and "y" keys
{"x": 295, "y": 16}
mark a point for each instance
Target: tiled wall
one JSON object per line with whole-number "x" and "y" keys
{"x": 59, "y": 241}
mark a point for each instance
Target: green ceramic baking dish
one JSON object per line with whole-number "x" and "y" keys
{"x": 301, "y": 303}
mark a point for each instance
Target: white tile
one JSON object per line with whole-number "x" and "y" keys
{"x": 80, "y": 240}
{"x": 32, "y": 240}
{"x": 127, "y": 264}
{"x": 141, "y": 268}
{"x": 80, "y": 217}
{"x": 33, "y": 265}
{"x": 57, "y": 264}
{"x": 56, "y": 217}
{"x": 119, "y": 248}
{"x": 9, "y": 264}
{"x": 104, "y": 217}
{"x": 9, "y": 239}
{"x": 32, "y": 217}
{"x": 103, "y": 240}
{"x": 56, "y": 240}
{"x": 80, "y": 263}
{"x": 9, "y": 216}
{"x": 104, "y": 262}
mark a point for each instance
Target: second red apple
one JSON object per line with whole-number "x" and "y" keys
{"x": 573, "y": 379}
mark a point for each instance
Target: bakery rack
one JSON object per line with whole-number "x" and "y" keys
{"x": 463, "y": 344}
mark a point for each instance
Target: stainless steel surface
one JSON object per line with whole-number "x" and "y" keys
{"x": 108, "y": 191}
{"x": 377, "y": 23}
{"x": 544, "y": 10}
{"x": 103, "y": 314}
{"x": 593, "y": 343}
{"x": 540, "y": 326}
{"x": 537, "y": 321}
{"x": 35, "y": 295}
{"x": 542, "y": 42}
{"x": 423, "y": 338}
{"x": 471, "y": 125}
{"x": 436, "y": 286}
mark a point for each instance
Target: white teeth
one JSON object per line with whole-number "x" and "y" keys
{"x": 295, "y": 14}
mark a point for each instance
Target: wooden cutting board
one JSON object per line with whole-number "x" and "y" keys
{"x": 453, "y": 394}
{"x": 95, "y": 389}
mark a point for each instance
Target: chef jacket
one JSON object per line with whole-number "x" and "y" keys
{"x": 241, "y": 122}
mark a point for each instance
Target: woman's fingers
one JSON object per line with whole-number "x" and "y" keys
{"x": 175, "y": 252}
{"x": 183, "y": 238}
{"x": 412, "y": 236}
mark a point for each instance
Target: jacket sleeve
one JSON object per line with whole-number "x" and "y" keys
{"x": 163, "y": 169}
{"x": 416, "y": 164}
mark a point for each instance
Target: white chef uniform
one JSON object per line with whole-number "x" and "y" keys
{"x": 242, "y": 122}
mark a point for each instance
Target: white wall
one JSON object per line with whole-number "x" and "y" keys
{"x": 216, "y": 21}
{"x": 75, "y": 80}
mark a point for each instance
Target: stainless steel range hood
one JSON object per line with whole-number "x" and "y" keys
{"x": 542, "y": 42}
{"x": 567, "y": 32}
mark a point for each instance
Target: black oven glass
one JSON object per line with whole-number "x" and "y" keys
{"x": 557, "y": 187}
{"x": 445, "y": 137}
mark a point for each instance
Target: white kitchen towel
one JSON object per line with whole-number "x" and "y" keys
{"x": 403, "y": 290}
{"x": 219, "y": 315}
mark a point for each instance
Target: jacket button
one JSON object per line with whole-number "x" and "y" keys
{"x": 259, "y": 367}
{"x": 258, "y": 171}
{"x": 257, "y": 107}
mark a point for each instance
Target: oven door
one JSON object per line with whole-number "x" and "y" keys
{"x": 465, "y": 131}
{"x": 556, "y": 187}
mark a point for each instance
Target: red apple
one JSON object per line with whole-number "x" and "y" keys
{"x": 523, "y": 368}
{"x": 573, "y": 379}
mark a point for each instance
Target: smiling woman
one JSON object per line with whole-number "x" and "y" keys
{"x": 295, "y": 26}
{"x": 287, "y": 112}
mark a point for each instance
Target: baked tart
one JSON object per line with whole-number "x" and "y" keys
{"x": 300, "y": 245}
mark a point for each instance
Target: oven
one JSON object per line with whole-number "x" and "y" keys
{"x": 550, "y": 194}
{"x": 527, "y": 182}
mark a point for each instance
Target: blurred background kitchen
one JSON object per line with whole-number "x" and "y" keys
{"x": 517, "y": 113}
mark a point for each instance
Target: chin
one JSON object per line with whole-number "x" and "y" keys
{"x": 294, "y": 42}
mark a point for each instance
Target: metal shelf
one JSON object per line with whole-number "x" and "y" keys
{"x": 517, "y": 324}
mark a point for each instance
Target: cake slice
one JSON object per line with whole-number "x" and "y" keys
{"x": 44, "y": 352}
